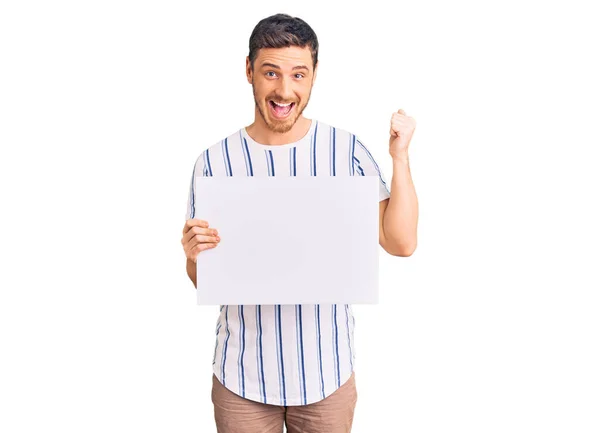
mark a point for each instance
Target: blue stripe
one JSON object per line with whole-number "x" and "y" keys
{"x": 300, "y": 343}
{"x": 333, "y": 153}
{"x": 374, "y": 163}
{"x": 318, "y": 318}
{"x": 351, "y": 158}
{"x": 349, "y": 345}
{"x": 247, "y": 158}
{"x": 298, "y": 349}
{"x": 330, "y": 151}
{"x": 314, "y": 151}
{"x": 244, "y": 152}
{"x": 260, "y": 354}
{"x": 226, "y": 160}
{"x": 225, "y": 346}
{"x": 357, "y": 163}
{"x": 278, "y": 359}
{"x": 302, "y": 353}
{"x": 281, "y": 354}
{"x": 260, "y": 391}
{"x": 312, "y": 146}
{"x": 293, "y": 161}
{"x": 270, "y": 165}
{"x": 242, "y": 349}
{"x": 207, "y": 162}
{"x": 337, "y": 351}
{"x": 333, "y": 340}
{"x": 192, "y": 200}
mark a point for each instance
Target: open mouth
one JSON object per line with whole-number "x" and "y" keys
{"x": 280, "y": 110}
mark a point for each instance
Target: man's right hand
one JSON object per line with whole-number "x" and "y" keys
{"x": 197, "y": 237}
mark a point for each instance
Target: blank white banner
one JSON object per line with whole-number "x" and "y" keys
{"x": 289, "y": 240}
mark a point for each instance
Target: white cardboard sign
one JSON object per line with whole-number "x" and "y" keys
{"x": 289, "y": 240}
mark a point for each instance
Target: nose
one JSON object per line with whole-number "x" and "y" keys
{"x": 285, "y": 90}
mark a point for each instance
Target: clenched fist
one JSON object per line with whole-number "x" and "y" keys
{"x": 197, "y": 237}
{"x": 401, "y": 132}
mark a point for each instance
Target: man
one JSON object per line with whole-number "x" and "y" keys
{"x": 293, "y": 364}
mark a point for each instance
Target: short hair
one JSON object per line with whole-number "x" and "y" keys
{"x": 282, "y": 30}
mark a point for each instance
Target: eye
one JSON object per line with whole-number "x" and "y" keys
{"x": 270, "y": 72}
{"x": 301, "y": 76}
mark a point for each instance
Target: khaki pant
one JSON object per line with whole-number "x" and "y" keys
{"x": 334, "y": 414}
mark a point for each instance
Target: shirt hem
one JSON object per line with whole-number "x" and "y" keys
{"x": 259, "y": 399}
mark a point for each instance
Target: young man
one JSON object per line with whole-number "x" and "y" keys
{"x": 293, "y": 364}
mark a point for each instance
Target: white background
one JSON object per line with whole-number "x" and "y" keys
{"x": 491, "y": 326}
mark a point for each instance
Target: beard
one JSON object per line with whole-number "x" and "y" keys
{"x": 280, "y": 126}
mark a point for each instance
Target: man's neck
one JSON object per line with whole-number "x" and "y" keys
{"x": 260, "y": 132}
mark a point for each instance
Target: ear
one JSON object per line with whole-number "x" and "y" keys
{"x": 315, "y": 72}
{"x": 248, "y": 70}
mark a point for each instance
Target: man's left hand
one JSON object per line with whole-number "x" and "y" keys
{"x": 401, "y": 132}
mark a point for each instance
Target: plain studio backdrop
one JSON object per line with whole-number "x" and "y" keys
{"x": 491, "y": 325}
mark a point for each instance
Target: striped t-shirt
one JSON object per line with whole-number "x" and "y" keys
{"x": 285, "y": 355}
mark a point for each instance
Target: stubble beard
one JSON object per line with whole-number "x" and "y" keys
{"x": 280, "y": 127}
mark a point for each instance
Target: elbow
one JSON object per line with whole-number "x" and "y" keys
{"x": 403, "y": 250}
{"x": 404, "y": 253}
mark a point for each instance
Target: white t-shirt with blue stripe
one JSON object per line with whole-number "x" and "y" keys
{"x": 285, "y": 355}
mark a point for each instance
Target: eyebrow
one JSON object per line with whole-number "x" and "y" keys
{"x": 277, "y": 67}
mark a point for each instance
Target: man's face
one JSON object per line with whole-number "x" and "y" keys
{"x": 281, "y": 76}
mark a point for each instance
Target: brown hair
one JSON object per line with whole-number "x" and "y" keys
{"x": 282, "y": 30}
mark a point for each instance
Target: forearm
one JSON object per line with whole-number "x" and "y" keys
{"x": 191, "y": 271}
{"x": 401, "y": 215}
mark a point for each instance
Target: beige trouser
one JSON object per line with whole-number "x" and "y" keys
{"x": 334, "y": 414}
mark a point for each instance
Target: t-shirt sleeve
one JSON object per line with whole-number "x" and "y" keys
{"x": 197, "y": 171}
{"x": 365, "y": 165}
